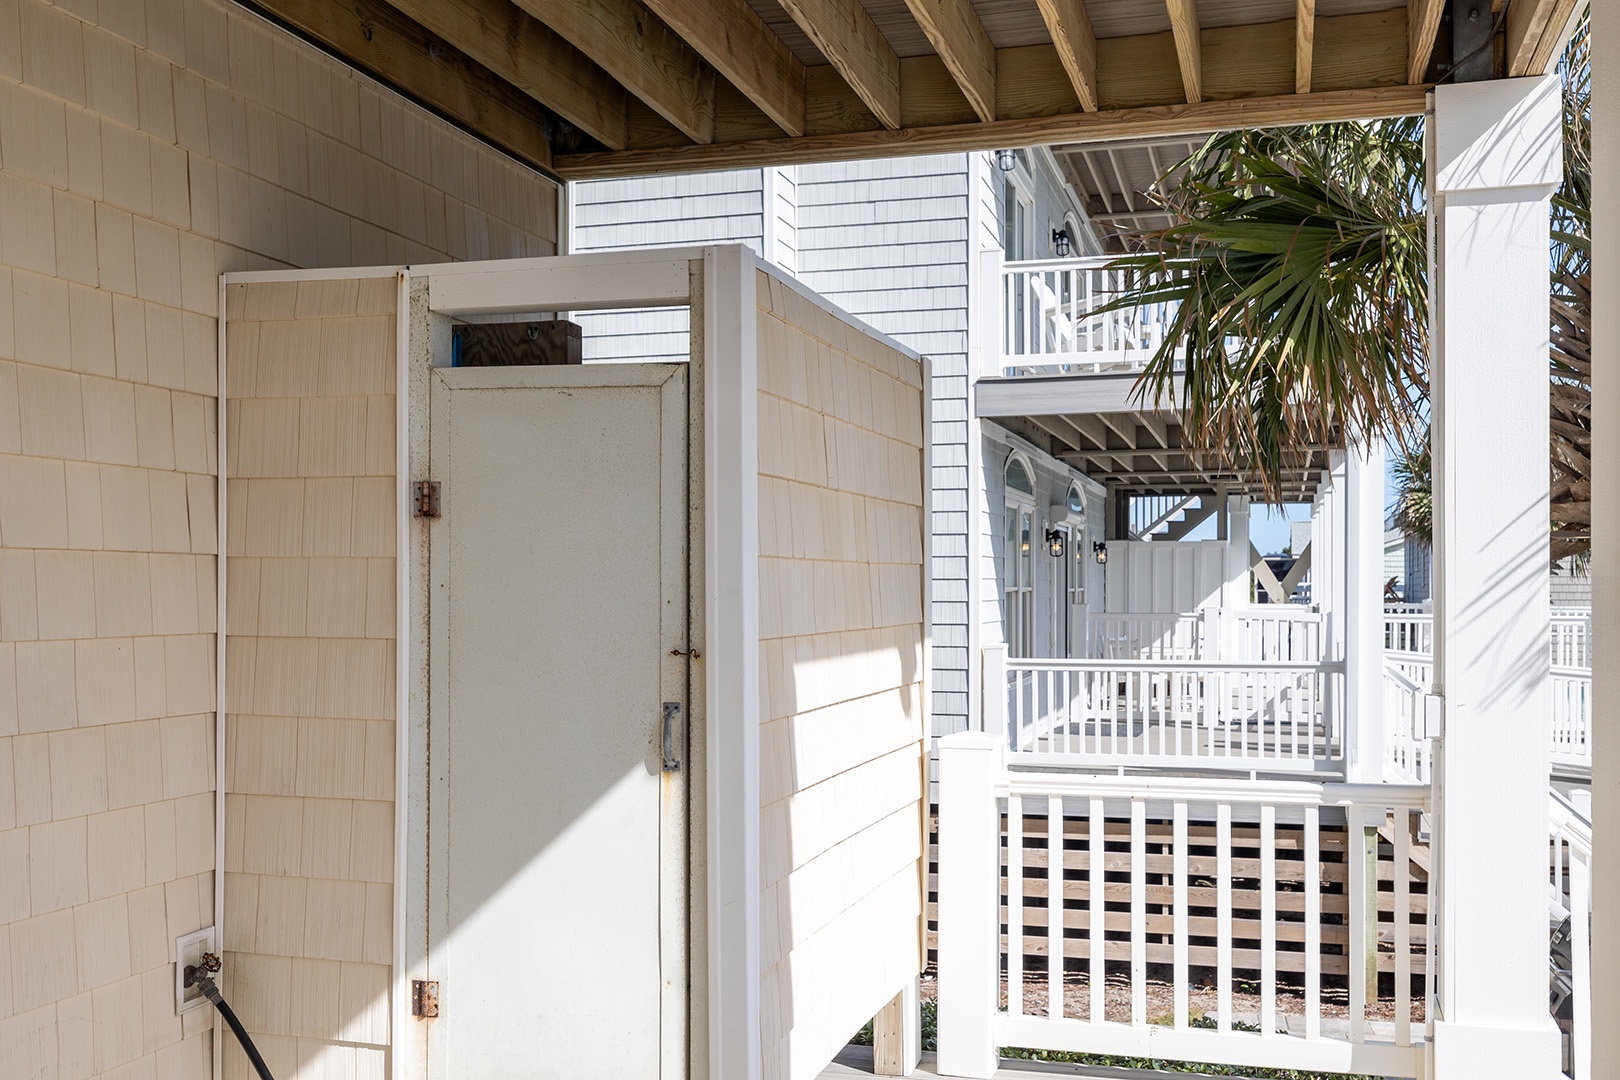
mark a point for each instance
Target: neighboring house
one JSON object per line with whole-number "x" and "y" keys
{"x": 1395, "y": 558}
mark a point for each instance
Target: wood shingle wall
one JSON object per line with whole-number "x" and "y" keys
{"x": 145, "y": 147}
{"x": 841, "y": 677}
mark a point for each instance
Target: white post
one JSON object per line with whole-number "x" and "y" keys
{"x": 1237, "y": 552}
{"x": 1494, "y": 161}
{"x": 992, "y": 333}
{"x": 1606, "y": 529}
{"x": 994, "y": 684}
{"x": 1364, "y": 615}
{"x": 1334, "y": 579}
{"x": 969, "y": 904}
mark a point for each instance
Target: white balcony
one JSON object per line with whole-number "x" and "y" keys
{"x": 1051, "y": 324}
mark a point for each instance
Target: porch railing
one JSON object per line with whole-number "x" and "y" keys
{"x": 1170, "y": 713}
{"x": 1204, "y": 920}
{"x": 1570, "y": 881}
{"x": 1407, "y": 746}
{"x": 1269, "y": 632}
{"x": 1571, "y": 716}
{"x": 1409, "y": 628}
{"x": 1050, "y": 323}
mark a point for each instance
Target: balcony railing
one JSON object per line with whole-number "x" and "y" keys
{"x": 1050, "y": 322}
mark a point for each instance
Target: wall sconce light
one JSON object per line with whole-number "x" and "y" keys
{"x": 1100, "y": 550}
{"x": 1054, "y": 543}
{"x": 1062, "y": 243}
{"x": 1006, "y": 160}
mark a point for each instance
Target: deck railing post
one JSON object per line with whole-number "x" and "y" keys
{"x": 993, "y": 329}
{"x": 969, "y": 893}
{"x": 1364, "y": 615}
{"x": 994, "y": 688}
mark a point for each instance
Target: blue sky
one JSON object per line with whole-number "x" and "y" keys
{"x": 1269, "y": 526}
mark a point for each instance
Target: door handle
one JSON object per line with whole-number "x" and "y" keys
{"x": 672, "y": 736}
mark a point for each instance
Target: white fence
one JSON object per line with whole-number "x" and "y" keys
{"x": 1410, "y": 628}
{"x": 1407, "y": 747}
{"x": 1265, "y": 633}
{"x": 1161, "y": 913}
{"x": 1571, "y": 716}
{"x": 1206, "y": 714}
{"x": 1570, "y": 884}
{"x": 1050, "y": 325}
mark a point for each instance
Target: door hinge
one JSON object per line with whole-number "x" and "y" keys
{"x": 424, "y": 998}
{"x": 427, "y": 498}
{"x": 673, "y": 736}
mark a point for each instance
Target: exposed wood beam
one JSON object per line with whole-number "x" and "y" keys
{"x": 373, "y": 36}
{"x": 1423, "y": 26}
{"x": 1535, "y": 31}
{"x": 1092, "y": 428}
{"x": 1070, "y": 27}
{"x": 1045, "y": 424}
{"x": 636, "y": 48}
{"x": 527, "y": 54}
{"x": 1304, "y": 44}
{"x": 852, "y": 43}
{"x": 1189, "y": 46}
{"x": 1319, "y": 107}
{"x": 954, "y": 29}
{"x": 741, "y": 47}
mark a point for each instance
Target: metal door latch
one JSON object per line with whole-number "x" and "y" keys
{"x": 672, "y": 736}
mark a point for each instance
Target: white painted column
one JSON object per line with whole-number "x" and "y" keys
{"x": 1236, "y": 593}
{"x": 1494, "y": 161}
{"x": 1364, "y": 614}
{"x": 969, "y": 904}
{"x": 1606, "y": 529}
{"x": 1333, "y": 581}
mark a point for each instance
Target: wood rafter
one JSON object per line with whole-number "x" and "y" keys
{"x": 526, "y": 53}
{"x": 954, "y": 29}
{"x": 635, "y": 46}
{"x": 1189, "y": 46}
{"x": 1423, "y": 25}
{"x": 1318, "y": 107}
{"x": 1070, "y": 27}
{"x": 1535, "y": 31}
{"x": 741, "y": 47}
{"x": 852, "y": 43}
{"x": 383, "y": 41}
{"x": 1304, "y": 44}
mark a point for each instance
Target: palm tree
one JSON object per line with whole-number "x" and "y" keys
{"x": 1298, "y": 260}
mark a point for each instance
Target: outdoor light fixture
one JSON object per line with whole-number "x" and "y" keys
{"x": 1006, "y": 160}
{"x": 1054, "y": 543}
{"x": 1061, "y": 243}
{"x": 1100, "y": 550}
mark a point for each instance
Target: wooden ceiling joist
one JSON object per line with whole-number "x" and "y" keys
{"x": 526, "y": 53}
{"x": 1423, "y": 25}
{"x": 1070, "y": 27}
{"x": 379, "y": 39}
{"x": 745, "y": 51}
{"x": 635, "y": 46}
{"x": 1162, "y": 120}
{"x": 852, "y": 43}
{"x": 954, "y": 29}
{"x": 1304, "y": 44}
{"x": 1189, "y": 46}
{"x": 1537, "y": 31}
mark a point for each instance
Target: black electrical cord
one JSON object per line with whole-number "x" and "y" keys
{"x": 202, "y": 978}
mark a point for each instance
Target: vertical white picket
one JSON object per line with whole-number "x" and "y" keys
{"x": 1402, "y": 820}
{"x": 1268, "y": 919}
{"x": 1223, "y": 916}
{"x": 1054, "y": 908}
{"x": 1313, "y": 923}
{"x": 1138, "y": 912}
{"x": 1097, "y": 965}
{"x": 1355, "y": 845}
{"x": 1015, "y": 905}
{"x": 1178, "y": 840}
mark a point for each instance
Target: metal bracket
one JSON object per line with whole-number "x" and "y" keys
{"x": 427, "y": 498}
{"x": 424, "y": 998}
{"x": 672, "y": 736}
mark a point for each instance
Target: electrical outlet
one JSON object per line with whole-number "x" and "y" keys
{"x": 188, "y": 951}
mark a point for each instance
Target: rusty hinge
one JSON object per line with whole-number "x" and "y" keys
{"x": 427, "y": 498}
{"x": 424, "y": 998}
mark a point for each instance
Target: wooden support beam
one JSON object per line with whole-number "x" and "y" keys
{"x": 852, "y": 43}
{"x": 1070, "y": 27}
{"x": 741, "y": 47}
{"x": 1422, "y": 27}
{"x": 1189, "y": 46}
{"x": 954, "y": 29}
{"x": 375, "y": 37}
{"x": 1319, "y": 107}
{"x": 639, "y": 50}
{"x": 888, "y": 1037}
{"x": 1304, "y": 44}
{"x": 1536, "y": 33}
{"x": 527, "y": 54}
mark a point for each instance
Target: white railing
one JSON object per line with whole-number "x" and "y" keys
{"x": 1050, "y": 325}
{"x": 1407, "y": 747}
{"x": 1204, "y": 714}
{"x": 1270, "y": 887}
{"x": 1134, "y": 636}
{"x": 1572, "y": 637}
{"x": 1409, "y": 631}
{"x": 1268, "y": 632}
{"x": 1410, "y": 628}
{"x": 1571, "y": 716}
{"x": 1570, "y": 884}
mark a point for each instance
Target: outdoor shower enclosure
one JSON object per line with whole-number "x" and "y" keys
{"x": 551, "y": 692}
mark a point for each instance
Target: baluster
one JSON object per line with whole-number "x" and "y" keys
{"x": 1223, "y": 916}
{"x": 1178, "y": 840}
{"x": 1096, "y": 861}
{"x": 1355, "y": 848}
{"x": 1268, "y": 919}
{"x": 1054, "y": 908}
{"x": 1015, "y": 905}
{"x": 1138, "y": 912}
{"x": 1403, "y": 927}
{"x": 1313, "y": 923}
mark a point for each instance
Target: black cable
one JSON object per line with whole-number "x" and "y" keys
{"x": 211, "y": 992}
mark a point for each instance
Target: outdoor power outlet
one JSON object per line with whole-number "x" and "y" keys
{"x": 188, "y": 952}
